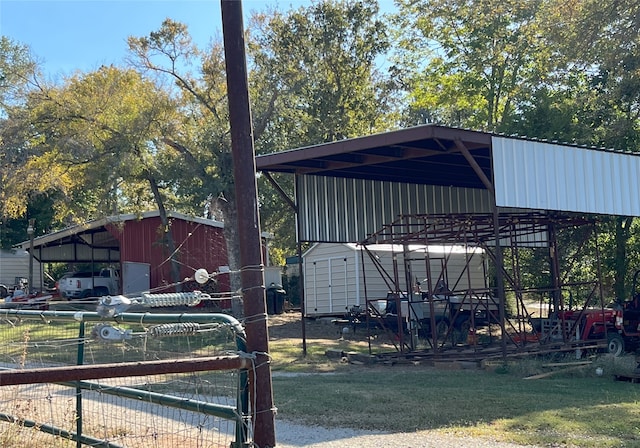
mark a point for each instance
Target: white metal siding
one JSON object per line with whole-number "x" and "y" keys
{"x": 331, "y": 283}
{"x": 546, "y": 176}
{"x": 332, "y": 279}
{"x": 459, "y": 275}
{"x": 346, "y": 210}
{"x": 16, "y": 264}
{"x": 316, "y": 277}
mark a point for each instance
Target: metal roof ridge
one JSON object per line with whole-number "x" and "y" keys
{"x": 376, "y": 135}
{"x": 434, "y": 128}
{"x": 79, "y": 228}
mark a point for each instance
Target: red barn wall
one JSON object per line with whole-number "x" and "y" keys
{"x": 198, "y": 246}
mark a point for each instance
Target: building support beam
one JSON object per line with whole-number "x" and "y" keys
{"x": 496, "y": 232}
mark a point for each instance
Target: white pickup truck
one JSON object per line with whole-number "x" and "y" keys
{"x": 80, "y": 285}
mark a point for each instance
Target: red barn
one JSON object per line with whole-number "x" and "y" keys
{"x": 140, "y": 239}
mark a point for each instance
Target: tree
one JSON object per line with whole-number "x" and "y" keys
{"x": 100, "y": 129}
{"x": 332, "y": 91}
{"x": 24, "y": 194}
{"x": 604, "y": 40}
{"x": 322, "y": 62}
{"x": 560, "y": 70}
{"x": 100, "y": 136}
{"x": 470, "y": 63}
{"x": 18, "y": 70}
{"x": 202, "y": 137}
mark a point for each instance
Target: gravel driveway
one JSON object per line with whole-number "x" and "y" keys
{"x": 292, "y": 435}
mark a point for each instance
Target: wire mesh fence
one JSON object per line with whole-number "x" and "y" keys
{"x": 138, "y": 380}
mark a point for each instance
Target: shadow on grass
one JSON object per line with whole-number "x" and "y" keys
{"x": 581, "y": 410}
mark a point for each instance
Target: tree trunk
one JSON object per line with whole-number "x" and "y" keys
{"x": 225, "y": 202}
{"x": 622, "y": 233}
{"x": 233, "y": 254}
{"x": 168, "y": 236}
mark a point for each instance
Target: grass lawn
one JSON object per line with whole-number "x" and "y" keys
{"x": 576, "y": 408}
{"x": 565, "y": 411}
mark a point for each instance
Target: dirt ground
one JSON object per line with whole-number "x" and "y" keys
{"x": 340, "y": 341}
{"x": 289, "y": 325}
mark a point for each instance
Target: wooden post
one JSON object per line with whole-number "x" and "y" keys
{"x": 252, "y": 268}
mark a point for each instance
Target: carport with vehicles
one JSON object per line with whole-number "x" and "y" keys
{"x": 132, "y": 247}
{"x": 506, "y": 195}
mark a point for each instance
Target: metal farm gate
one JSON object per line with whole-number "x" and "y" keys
{"x": 133, "y": 380}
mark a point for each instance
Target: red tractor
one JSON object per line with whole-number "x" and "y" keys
{"x": 590, "y": 325}
{"x": 618, "y": 324}
{"x": 627, "y": 321}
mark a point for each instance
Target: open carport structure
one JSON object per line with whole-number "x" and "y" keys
{"x": 436, "y": 184}
{"x": 131, "y": 242}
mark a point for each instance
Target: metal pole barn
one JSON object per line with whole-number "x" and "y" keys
{"x": 252, "y": 276}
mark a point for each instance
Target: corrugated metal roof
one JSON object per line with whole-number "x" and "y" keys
{"x": 422, "y": 155}
{"x": 349, "y": 189}
{"x": 93, "y": 241}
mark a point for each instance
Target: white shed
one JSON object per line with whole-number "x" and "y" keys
{"x": 14, "y": 265}
{"x": 334, "y": 278}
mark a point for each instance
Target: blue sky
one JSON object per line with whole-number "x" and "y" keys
{"x": 84, "y": 34}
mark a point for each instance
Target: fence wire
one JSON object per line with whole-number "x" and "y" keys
{"x": 187, "y": 409}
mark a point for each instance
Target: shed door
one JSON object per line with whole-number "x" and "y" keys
{"x": 328, "y": 292}
{"x": 338, "y": 288}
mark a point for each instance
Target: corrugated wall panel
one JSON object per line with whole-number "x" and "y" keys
{"x": 198, "y": 246}
{"x": 546, "y": 176}
{"x": 16, "y": 264}
{"x": 347, "y": 210}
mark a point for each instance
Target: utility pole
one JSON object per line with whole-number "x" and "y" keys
{"x": 252, "y": 268}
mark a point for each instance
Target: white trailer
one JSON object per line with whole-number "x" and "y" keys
{"x": 339, "y": 276}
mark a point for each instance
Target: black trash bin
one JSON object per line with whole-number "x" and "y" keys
{"x": 275, "y": 299}
{"x": 271, "y": 301}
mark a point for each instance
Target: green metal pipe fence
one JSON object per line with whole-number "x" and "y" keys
{"x": 190, "y": 359}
